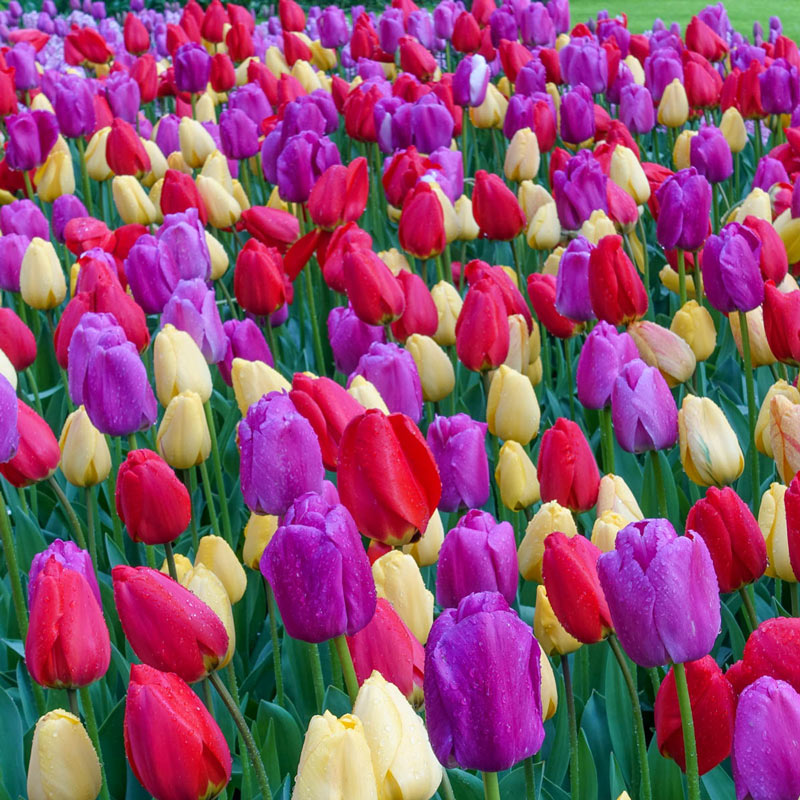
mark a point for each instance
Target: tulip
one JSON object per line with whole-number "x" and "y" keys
{"x": 482, "y": 328}
{"x": 763, "y": 766}
{"x": 713, "y": 704}
{"x": 694, "y": 325}
{"x": 549, "y": 518}
{"x": 192, "y": 308}
{"x": 685, "y": 203}
{"x": 710, "y": 452}
{"x": 185, "y": 754}
{"x": 63, "y": 762}
{"x": 731, "y": 275}
{"x": 516, "y": 478}
{"x": 398, "y": 580}
{"x": 258, "y": 532}
{"x": 673, "y": 109}
{"x": 783, "y": 420}
{"x": 192, "y": 68}
{"x": 31, "y": 136}
{"x": 710, "y": 155}
{"x": 259, "y": 282}
{"x": 661, "y": 348}
{"x": 616, "y": 292}
{"x": 36, "y": 454}
{"x": 480, "y": 640}
{"x": 435, "y": 369}
{"x": 41, "y": 278}
{"x": 522, "y": 157}
{"x": 206, "y": 586}
{"x": 549, "y": 632}
{"x": 375, "y": 294}
{"x": 782, "y": 323}
{"x": 458, "y": 447}
{"x": 512, "y": 410}
{"x": 769, "y": 650}
{"x": 448, "y": 307}
{"x": 577, "y": 115}
{"x": 567, "y": 469}
{"x": 603, "y": 355}
{"x": 350, "y": 338}
{"x": 9, "y": 434}
{"x": 252, "y": 380}
{"x": 636, "y": 109}
{"x": 183, "y": 439}
{"x": 85, "y": 457}
{"x": 774, "y": 527}
{"x": 179, "y": 366}
{"x": 133, "y": 205}
{"x": 496, "y": 210}
{"x": 166, "y": 625}
{"x": 12, "y": 252}
{"x": 245, "y": 341}
{"x": 762, "y": 429}
{"x": 71, "y": 557}
{"x": 572, "y": 281}
{"x": 579, "y": 189}
{"x": 421, "y": 230}
{"x": 124, "y": 152}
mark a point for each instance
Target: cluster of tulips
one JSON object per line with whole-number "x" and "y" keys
{"x": 339, "y": 315}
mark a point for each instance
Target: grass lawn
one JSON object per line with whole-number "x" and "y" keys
{"x": 742, "y": 13}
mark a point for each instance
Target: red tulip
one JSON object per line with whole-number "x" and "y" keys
{"x": 125, "y": 152}
{"x": 702, "y": 82}
{"x": 151, "y": 502}
{"x": 359, "y": 116}
{"x": 167, "y": 626}
{"x": 792, "y": 504}
{"x": 295, "y": 49}
{"x": 388, "y": 478}
{"x": 742, "y": 89}
{"x": 420, "y": 315}
{"x": 732, "y": 535}
{"x": 331, "y": 250}
{"x": 569, "y": 570}
{"x": 67, "y": 645}
{"x": 136, "y": 36}
{"x": 782, "y": 323}
{"x": 702, "y": 39}
{"x": 513, "y": 300}
{"x": 340, "y": 194}
{"x": 416, "y": 58}
{"x": 271, "y": 226}
{"x": 364, "y": 42}
{"x": 616, "y": 291}
{"x": 566, "y": 467}
{"x": 483, "y": 10}
{"x": 387, "y": 645}
{"x": 176, "y": 37}
{"x": 86, "y": 44}
{"x": 482, "y": 334}
{"x": 214, "y": 21}
{"x": 145, "y": 74}
{"x": 84, "y": 233}
{"x": 329, "y": 409}
{"x": 16, "y": 340}
{"x": 259, "y": 282}
{"x": 713, "y": 703}
{"x": 179, "y": 193}
{"x": 772, "y": 649}
{"x": 513, "y": 57}
{"x": 223, "y": 75}
{"x": 173, "y": 744}
{"x": 466, "y": 33}
{"x": 421, "y": 229}
{"x": 402, "y": 174}
{"x": 38, "y": 453}
{"x": 8, "y": 92}
{"x": 292, "y": 16}
{"x": 773, "y": 261}
{"x": 542, "y": 292}
{"x": 375, "y": 294}
{"x": 495, "y": 208}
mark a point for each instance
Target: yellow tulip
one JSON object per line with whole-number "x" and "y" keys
{"x": 158, "y": 163}
{"x": 549, "y": 688}
{"x": 549, "y": 518}
{"x": 673, "y": 110}
{"x": 756, "y": 204}
{"x": 275, "y": 62}
{"x": 55, "y": 177}
{"x": 548, "y": 630}
{"x": 132, "y": 202}
{"x": 155, "y": 199}
{"x": 597, "y": 226}
{"x": 41, "y": 279}
{"x": 772, "y": 521}
{"x": 204, "y": 109}
{"x": 257, "y": 535}
{"x": 219, "y": 258}
{"x": 452, "y": 226}
{"x": 789, "y": 230}
{"x": 176, "y": 161}
{"x": 215, "y": 553}
{"x": 182, "y": 566}
{"x": 183, "y": 439}
{"x": 784, "y": 435}
{"x": 366, "y": 393}
{"x": 662, "y": 348}
{"x": 223, "y": 209}
{"x": 398, "y": 580}
{"x": 252, "y": 380}
{"x": 492, "y": 111}
{"x": 760, "y": 353}
{"x": 468, "y": 229}
{"x": 695, "y": 326}
{"x": 522, "y": 156}
{"x": 544, "y": 229}
{"x": 85, "y": 458}
{"x": 636, "y": 68}
{"x": 425, "y": 551}
{"x": 682, "y": 152}
{"x": 615, "y": 495}
{"x": 216, "y": 167}
{"x": 669, "y": 277}
{"x": 626, "y": 171}
{"x": 196, "y": 142}
{"x": 395, "y": 260}
{"x": 512, "y": 409}
{"x": 179, "y": 366}
{"x": 516, "y": 477}
{"x": 605, "y": 530}
{"x": 448, "y": 306}
{"x": 733, "y": 129}
{"x": 205, "y": 584}
{"x": 95, "y": 156}
{"x": 435, "y": 369}
{"x": 323, "y": 57}
{"x": 763, "y": 442}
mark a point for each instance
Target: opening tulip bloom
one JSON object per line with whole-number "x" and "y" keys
{"x": 603, "y": 356}
{"x": 31, "y": 136}
{"x": 495, "y": 208}
{"x": 662, "y": 592}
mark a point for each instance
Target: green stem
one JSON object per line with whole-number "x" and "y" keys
{"x": 641, "y": 742}
{"x": 192, "y": 481}
{"x": 244, "y": 174}
{"x": 715, "y": 205}
{"x": 645, "y": 256}
{"x": 87, "y": 189}
{"x": 209, "y": 497}
{"x": 116, "y": 449}
{"x": 272, "y": 610}
{"x": 208, "y": 698}
{"x": 574, "y": 767}
{"x": 173, "y": 573}
{"x": 252, "y": 750}
{"x": 90, "y": 535}
{"x": 312, "y": 312}
{"x": 662, "y": 497}
{"x": 348, "y": 670}
{"x": 72, "y": 696}
{"x": 336, "y": 667}
{"x": 272, "y": 341}
{"x": 91, "y": 727}
{"x": 794, "y": 594}
{"x": 530, "y": 784}
{"x": 749, "y": 608}
{"x": 132, "y": 442}
{"x": 34, "y": 387}
{"x": 607, "y": 438}
{"x": 445, "y": 787}
{"x": 687, "y": 723}
{"x": 70, "y": 511}
{"x": 246, "y": 777}
{"x": 217, "y": 462}
{"x": 491, "y": 789}
{"x": 29, "y": 187}
{"x": 752, "y": 410}
{"x": 316, "y": 674}
{"x": 682, "y": 277}
{"x": 10, "y": 552}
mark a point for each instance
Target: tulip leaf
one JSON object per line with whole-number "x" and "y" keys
{"x": 115, "y": 555}
{"x": 616, "y": 783}
{"x": 665, "y": 775}
{"x": 619, "y": 718}
{"x": 556, "y": 744}
{"x": 269, "y": 755}
{"x": 588, "y": 770}
{"x": 550, "y": 791}
{"x": 336, "y": 701}
{"x": 513, "y": 783}
{"x": 29, "y": 540}
{"x": 718, "y": 784}
{"x": 288, "y": 735}
{"x": 730, "y": 625}
{"x": 465, "y": 786}
{"x": 113, "y": 751}
{"x": 650, "y": 501}
{"x": 12, "y": 763}
{"x": 29, "y": 713}
{"x": 297, "y": 677}
{"x": 595, "y": 728}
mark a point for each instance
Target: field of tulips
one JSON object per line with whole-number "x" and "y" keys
{"x": 398, "y": 404}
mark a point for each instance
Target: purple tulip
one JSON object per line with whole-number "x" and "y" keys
{"x": 482, "y": 686}
{"x": 685, "y": 200}
{"x": 332, "y": 27}
{"x": 151, "y": 279}
{"x": 123, "y": 95}
{"x": 502, "y": 25}
{"x": 387, "y": 133}
{"x": 731, "y": 274}
{"x": 431, "y": 124}
{"x": 9, "y": 410}
{"x": 636, "y": 109}
{"x": 329, "y": 590}
{"x": 775, "y": 28}
{"x": 420, "y": 26}
{"x": 478, "y": 555}
{"x": 22, "y": 57}
{"x": 350, "y": 338}
{"x": 608, "y": 28}
{"x": 662, "y": 593}
{"x": 192, "y": 68}
{"x": 532, "y": 78}
{"x": 743, "y": 54}
{"x": 280, "y": 457}
{"x": 303, "y": 159}
{"x": 623, "y": 78}
{"x": 449, "y": 171}
{"x": 458, "y": 445}
{"x": 246, "y": 341}
{"x": 579, "y": 189}
{"x": 31, "y": 136}
{"x": 769, "y": 172}
{"x": 238, "y": 134}
{"x": 661, "y": 67}
{"x": 74, "y": 106}
{"x": 710, "y": 154}
{"x": 394, "y": 373}
{"x": 167, "y": 137}
{"x": 12, "y": 251}
{"x": 583, "y": 61}
{"x": 251, "y": 99}
{"x": 559, "y": 11}
{"x": 643, "y": 409}
{"x": 519, "y": 114}
{"x": 182, "y": 239}
{"x": 603, "y": 355}
{"x": 92, "y": 330}
{"x": 470, "y": 81}
{"x": 764, "y": 756}
{"x": 390, "y": 29}
{"x": 49, "y": 7}
{"x": 25, "y": 218}
{"x": 780, "y": 87}
{"x": 98, "y": 10}
{"x": 536, "y": 26}
{"x": 69, "y": 555}
{"x": 444, "y": 18}
{"x": 193, "y": 308}
{"x": 716, "y": 17}
{"x": 572, "y": 281}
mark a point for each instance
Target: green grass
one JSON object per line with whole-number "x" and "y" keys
{"x": 742, "y": 13}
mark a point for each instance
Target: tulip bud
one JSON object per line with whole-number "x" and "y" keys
{"x": 549, "y": 518}
{"x": 468, "y": 229}
{"x": 425, "y": 551}
{"x": 258, "y": 532}
{"x": 512, "y": 409}
{"x": 96, "y": 164}
{"x": 662, "y": 348}
{"x": 158, "y": 166}
{"x": 784, "y": 422}
{"x": 605, "y": 530}
{"x": 63, "y": 764}
{"x": 615, "y": 495}
{"x": 252, "y": 380}
{"x": 183, "y": 438}
{"x": 132, "y": 202}
{"x": 216, "y": 167}
{"x": 733, "y": 129}
{"x": 673, "y": 110}
{"x": 219, "y": 258}
{"x": 366, "y": 393}
{"x": 694, "y": 325}
{"x": 522, "y": 156}
{"x": 216, "y": 554}
{"x": 196, "y": 142}
{"x": 710, "y": 451}
{"x": 205, "y": 585}
{"x": 179, "y": 366}
{"x": 763, "y": 442}
{"x": 41, "y": 279}
{"x": 398, "y": 580}
{"x": 772, "y": 521}
{"x": 756, "y": 204}
{"x": 85, "y": 458}
{"x": 435, "y": 369}
{"x": 516, "y": 477}
{"x": 55, "y": 177}
{"x": 448, "y": 306}
{"x": 760, "y": 353}
{"x": 549, "y": 632}
{"x": 627, "y": 173}
{"x": 223, "y": 209}
{"x": 492, "y": 111}
{"x": 681, "y": 153}
{"x": 182, "y": 567}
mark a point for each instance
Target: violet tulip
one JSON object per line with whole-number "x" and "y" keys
{"x": 731, "y": 274}
{"x": 193, "y": 308}
{"x": 470, "y": 81}
{"x": 577, "y": 115}
{"x": 536, "y": 28}
{"x": 123, "y": 95}
{"x": 769, "y": 172}
{"x": 662, "y": 592}
{"x": 332, "y": 27}
{"x": 482, "y": 686}
{"x": 74, "y": 106}
{"x": 31, "y": 136}
{"x": 661, "y": 67}
{"x": 65, "y": 208}
{"x": 245, "y": 341}
{"x": 329, "y": 590}
{"x": 583, "y": 61}
{"x": 458, "y": 445}
{"x": 9, "y": 409}
{"x": 12, "y": 251}
{"x": 572, "y": 281}
{"x": 579, "y": 189}
{"x": 710, "y": 154}
{"x": 22, "y": 58}
{"x": 192, "y": 67}
{"x": 25, "y": 218}
{"x": 685, "y": 205}
{"x": 238, "y": 134}
{"x": 643, "y": 409}
{"x": 92, "y": 330}
{"x": 478, "y": 555}
{"x": 280, "y": 455}
{"x": 302, "y": 160}
{"x": 636, "y": 110}
{"x": 780, "y": 87}
{"x": 251, "y": 99}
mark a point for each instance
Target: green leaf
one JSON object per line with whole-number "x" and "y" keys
{"x": 718, "y": 784}
{"x": 588, "y": 772}
{"x": 113, "y": 750}
{"x": 465, "y": 786}
{"x": 513, "y": 783}
{"x": 12, "y": 761}
{"x": 556, "y": 747}
{"x": 730, "y": 625}
{"x": 336, "y": 701}
{"x": 619, "y": 718}
{"x": 595, "y": 728}
{"x": 616, "y": 783}
{"x": 288, "y": 735}
{"x": 666, "y": 777}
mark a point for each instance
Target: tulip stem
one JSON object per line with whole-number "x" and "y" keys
{"x": 209, "y": 497}
{"x": 682, "y": 277}
{"x": 272, "y": 610}
{"x": 795, "y": 599}
{"x": 192, "y": 481}
{"x": 574, "y": 767}
{"x": 491, "y": 789}
{"x": 173, "y": 573}
{"x": 687, "y": 723}
{"x": 641, "y": 742}
{"x": 244, "y": 172}
{"x": 91, "y": 727}
{"x": 90, "y": 528}
{"x": 10, "y": 552}
{"x": 316, "y": 674}
{"x": 29, "y": 187}
{"x": 217, "y": 461}
{"x": 336, "y": 667}
{"x": 72, "y": 696}
{"x": 252, "y": 750}
{"x": 112, "y": 505}
{"x": 446, "y": 787}
{"x": 607, "y": 439}
{"x": 350, "y": 680}
{"x": 312, "y": 312}
{"x": 751, "y": 404}
{"x": 34, "y": 387}
{"x": 272, "y": 340}
{"x": 659, "y": 479}
{"x": 530, "y": 783}
{"x": 87, "y": 190}
{"x": 70, "y": 511}
{"x": 749, "y": 608}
